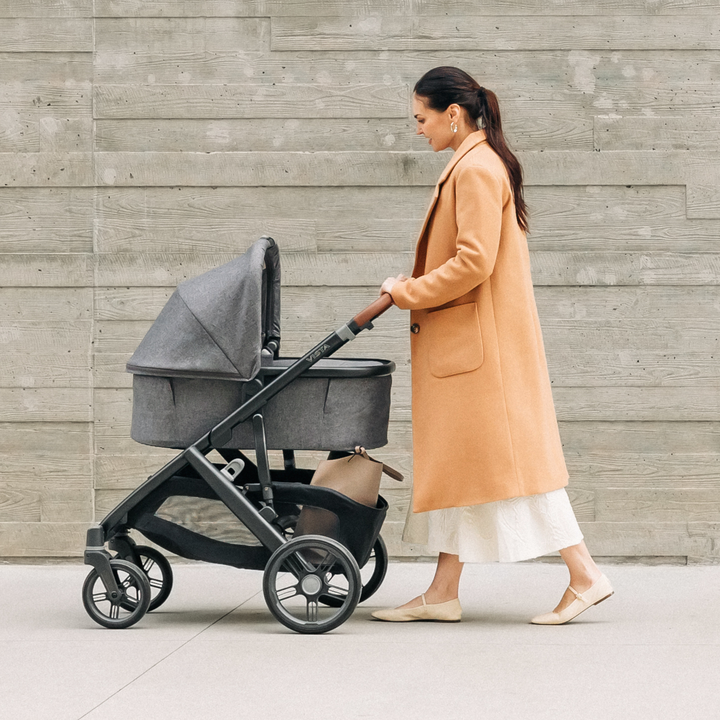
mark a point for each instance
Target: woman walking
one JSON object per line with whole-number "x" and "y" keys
{"x": 489, "y": 471}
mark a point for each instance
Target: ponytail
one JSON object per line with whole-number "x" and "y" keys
{"x": 443, "y": 86}
{"x": 490, "y": 114}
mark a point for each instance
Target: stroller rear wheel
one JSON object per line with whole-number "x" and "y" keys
{"x": 377, "y": 566}
{"x": 158, "y": 571}
{"x": 372, "y": 573}
{"x": 119, "y": 609}
{"x": 301, "y": 574}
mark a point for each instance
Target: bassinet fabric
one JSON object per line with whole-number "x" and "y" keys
{"x": 317, "y": 412}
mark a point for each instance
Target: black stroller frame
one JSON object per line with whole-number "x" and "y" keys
{"x": 323, "y": 571}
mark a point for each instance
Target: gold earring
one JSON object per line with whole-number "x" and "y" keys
{"x": 453, "y": 126}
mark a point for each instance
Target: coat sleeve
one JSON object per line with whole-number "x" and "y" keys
{"x": 478, "y": 211}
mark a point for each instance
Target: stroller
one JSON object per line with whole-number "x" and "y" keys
{"x": 208, "y": 377}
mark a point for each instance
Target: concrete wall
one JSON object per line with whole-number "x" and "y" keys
{"x": 144, "y": 141}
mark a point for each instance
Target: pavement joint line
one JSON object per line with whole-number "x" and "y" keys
{"x": 170, "y": 654}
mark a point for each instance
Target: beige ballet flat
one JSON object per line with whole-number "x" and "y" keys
{"x": 596, "y": 593}
{"x": 449, "y": 611}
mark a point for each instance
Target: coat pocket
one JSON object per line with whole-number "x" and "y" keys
{"x": 454, "y": 340}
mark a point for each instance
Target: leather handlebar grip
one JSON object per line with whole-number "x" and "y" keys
{"x": 375, "y": 309}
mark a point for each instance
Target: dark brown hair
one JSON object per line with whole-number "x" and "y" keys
{"x": 443, "y": 86}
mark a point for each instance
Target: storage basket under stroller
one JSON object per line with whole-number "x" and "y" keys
{"x": 208, "y": 376}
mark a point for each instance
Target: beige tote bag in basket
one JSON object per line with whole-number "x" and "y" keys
{"x": 357, "y": 476}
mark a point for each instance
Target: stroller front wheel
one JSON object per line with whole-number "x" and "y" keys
{"x": 119, "y": 609}
{"x": 301, "y": 574}
{"x": 159, "y": 573}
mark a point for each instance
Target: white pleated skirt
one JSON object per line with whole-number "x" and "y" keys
{"x": 510, "y": 530}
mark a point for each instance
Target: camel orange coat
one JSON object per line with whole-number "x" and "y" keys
{"x": 484, "y": 424}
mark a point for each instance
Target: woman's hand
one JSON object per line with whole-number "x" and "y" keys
{"x": 386, "y": 287}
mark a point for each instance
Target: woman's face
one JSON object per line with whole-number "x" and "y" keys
{"x": 434, "y": 124}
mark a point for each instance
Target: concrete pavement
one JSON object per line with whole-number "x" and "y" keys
{"x": 214, "y": 651}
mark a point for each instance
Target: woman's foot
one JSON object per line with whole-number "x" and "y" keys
{"x": 432, "y": 597}
{"x": 449, "y": 611}
{"x": 597, "y": 592}
{"x": 439, "y": 602}
{"x": 581, "y": 584}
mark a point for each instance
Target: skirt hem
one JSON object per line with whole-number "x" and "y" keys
{"x": 508, "y": 559}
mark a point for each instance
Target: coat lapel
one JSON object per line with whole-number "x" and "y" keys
{"x": 467, "y": 144}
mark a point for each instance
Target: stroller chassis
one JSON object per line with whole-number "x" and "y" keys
{"x": 299, "y": 556}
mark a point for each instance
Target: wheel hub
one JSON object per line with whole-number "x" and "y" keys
{"x": 311, "y": 585}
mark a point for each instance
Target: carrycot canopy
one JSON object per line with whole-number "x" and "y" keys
{"x": 217, "y": 324}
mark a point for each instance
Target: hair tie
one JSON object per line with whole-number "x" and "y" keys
{"x": 481, "y": 90}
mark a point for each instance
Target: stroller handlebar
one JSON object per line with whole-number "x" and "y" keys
{"x": 375, "y": 309}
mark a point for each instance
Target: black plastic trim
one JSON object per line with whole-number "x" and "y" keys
{"x": 371, "y": 368}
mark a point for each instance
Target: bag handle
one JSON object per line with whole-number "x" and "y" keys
{"x": 394, "y": 474}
